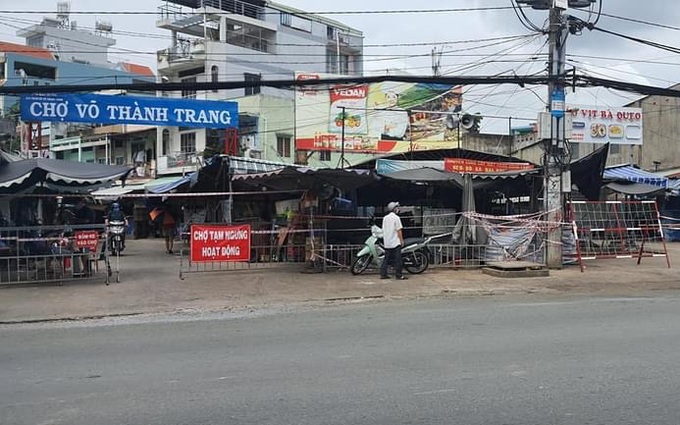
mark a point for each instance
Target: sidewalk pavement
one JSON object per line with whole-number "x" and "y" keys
{"x": 149, "y": 283}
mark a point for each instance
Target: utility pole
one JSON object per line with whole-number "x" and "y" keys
{"x": 557, "y": 177}
{"x": 555, "y": 166}
{"x": 342, "y": 138}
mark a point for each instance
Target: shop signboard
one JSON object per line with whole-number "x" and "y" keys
{"x": 606, "y": 125}
{"x": 385, "y": 117}
{"x": 107, "y": 109}
{"x": 462, "y": 165}
{"x": 217, "y": 243}
{"x": 86, "y": 239}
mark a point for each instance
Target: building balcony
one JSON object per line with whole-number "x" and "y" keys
{"x": 179, "y": 163}
{"x": 186, "y": 52}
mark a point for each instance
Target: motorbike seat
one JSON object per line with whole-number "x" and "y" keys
{"x": 411, "y": 241}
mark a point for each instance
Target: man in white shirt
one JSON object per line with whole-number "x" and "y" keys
{"x": 393, "y": 240}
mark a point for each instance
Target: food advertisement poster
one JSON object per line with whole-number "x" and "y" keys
{"x": 386, "y": 117}
{"x": 211, "y": 243}
{"x": 606, "y": 125}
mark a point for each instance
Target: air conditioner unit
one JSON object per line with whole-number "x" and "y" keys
{"x": 249, "y": 141}
{"x": 343, "y": 39}
{"x": 252, "y": 153}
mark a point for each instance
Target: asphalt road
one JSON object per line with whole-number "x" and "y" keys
{"x": 491, "y": 361}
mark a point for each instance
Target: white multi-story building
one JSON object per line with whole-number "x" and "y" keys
{"x": 246, "y": 40}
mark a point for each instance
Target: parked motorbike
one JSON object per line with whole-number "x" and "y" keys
{"x": 415, "y": 254}
{"x": 116, "y": 231}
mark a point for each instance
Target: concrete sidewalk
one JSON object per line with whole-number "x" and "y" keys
{"x": 150, "y": 284}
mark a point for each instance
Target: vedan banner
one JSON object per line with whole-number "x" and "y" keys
{"x": 214, "y": 243}
{"x": 107, "y": 109}
{"x": 606, "y": 125}
{"x": 375, "y": 117}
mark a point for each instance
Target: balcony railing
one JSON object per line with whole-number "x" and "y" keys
{"x": 174, "y": 12}
{"x": 179, "y": 161}
{"x": 237, "y": 7}
{"x": 185, "y": 49}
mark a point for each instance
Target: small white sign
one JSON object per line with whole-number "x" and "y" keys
{"x": 561, "y": 4}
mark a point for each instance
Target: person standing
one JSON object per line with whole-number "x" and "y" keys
{"x": 393, "y": 240}
{"x": 168, "y": 230}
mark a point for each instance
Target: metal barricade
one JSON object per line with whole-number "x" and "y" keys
{"x": 42, "y": 254}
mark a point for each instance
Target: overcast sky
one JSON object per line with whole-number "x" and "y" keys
{"x": 595, "y": 53}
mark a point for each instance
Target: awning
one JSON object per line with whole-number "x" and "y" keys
{"x": 635, "y": 175}
{"x": 637, "y": 189}
{"x": 117, "y": 191}
{"x": 302, "y": 178}
{"x": 427, "y": 174}
{"x": 239, "y": 165}
{"x": 20, "y": 174}
{"x": 167, "y": 184}
{"x": 586, "y": 173}
{"x": 387, "y": 166}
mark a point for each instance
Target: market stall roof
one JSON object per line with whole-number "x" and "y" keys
{"x": 440, "y": 154}
{"x": 25, "y": 173}
{"x": 586, "y": 172}
{"x": 167, "y": 184}
{"x": 243, "y": 165}
{"x": 635, "y": 175}
{"x": 115, "y": 192}
{"x": 637, "y": 189}
{"x": 427, "y": 174}
{"x": 302, "y": 178}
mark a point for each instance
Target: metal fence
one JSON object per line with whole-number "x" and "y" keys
{"x": 42, "y": 254}
{"x": 270, "y": 252}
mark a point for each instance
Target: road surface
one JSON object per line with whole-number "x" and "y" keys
{"x": 491, "y": 360}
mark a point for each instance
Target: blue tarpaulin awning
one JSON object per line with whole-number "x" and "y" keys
{"x": 165, "y": 185}
{"x": 635, "y": 175}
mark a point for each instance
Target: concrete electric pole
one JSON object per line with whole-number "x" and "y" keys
{"x": 554, "y": 164}
{"x": 557, "y": 176}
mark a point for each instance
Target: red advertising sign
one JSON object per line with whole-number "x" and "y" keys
{"x": 215, "y": 243}
{"x": 461, "y": 165}
{"x": 86, "y": 239}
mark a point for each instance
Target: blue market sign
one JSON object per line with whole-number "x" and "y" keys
{"x": 107, "y": 109}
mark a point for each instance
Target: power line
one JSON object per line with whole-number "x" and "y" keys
{"x": 297, "y": 13}
{"x": 580, "y": 81}
{"x": 364, "y": 46}
{"x": 641, "y": 21}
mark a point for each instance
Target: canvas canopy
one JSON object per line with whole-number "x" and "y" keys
{"x": 635, "y": 175}
{"x": 302, "y": 178}
{"x": 15, "y": 176}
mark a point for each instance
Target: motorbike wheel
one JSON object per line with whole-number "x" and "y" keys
{"x": 418, "y": 263}
{"x": 360, "y": 264}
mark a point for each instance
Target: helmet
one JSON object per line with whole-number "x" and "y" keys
{"x": 115, "y": 206}
{"x": 392, "y": 206}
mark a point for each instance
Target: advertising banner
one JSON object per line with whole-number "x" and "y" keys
{"x": 461, "y": 165}
{"x": 107, "y": 109}
{"x": 375, "y": 117}
{"x": 386, "y": 166}
{"x": 216, "y": 243}
{"x": 86, "y": 239}
{"x": 606, "y": 125}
